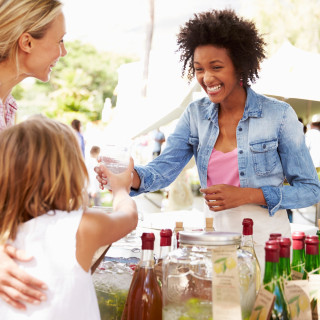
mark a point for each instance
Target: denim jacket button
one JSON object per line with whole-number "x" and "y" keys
{"x": 264, "y": 146}
{"x": 241, "y": 173}
{"x": 240, "y": 129}
{"x": 241, "y": 152}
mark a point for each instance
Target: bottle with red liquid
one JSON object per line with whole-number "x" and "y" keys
{"x": 165, "y": 248}
{"x": 144, "y": 299}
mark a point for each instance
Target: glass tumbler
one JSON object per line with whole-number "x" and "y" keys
{"x": 116, "y": 158}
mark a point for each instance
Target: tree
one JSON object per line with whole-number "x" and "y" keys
{"x": 80, "y": 83}
{"x": 295, "y": 20}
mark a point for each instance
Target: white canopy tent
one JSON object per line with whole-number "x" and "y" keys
{"x": 292, "y": 75}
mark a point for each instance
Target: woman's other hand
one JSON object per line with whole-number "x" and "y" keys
{"x": 222, "y": 196}
{"x": 16, "y": 286}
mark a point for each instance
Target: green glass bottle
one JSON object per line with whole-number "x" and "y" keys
{"x": 284, "y": 261}
{"x": 272, "y": 280}
{"x": 274, "y": 236}
{"x": 298, "y": 253}
{"x": 318, "y": 234}
{"x": 312, "y": 255}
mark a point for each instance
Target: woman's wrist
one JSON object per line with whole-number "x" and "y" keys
{"x": 135, "y": 181}
{"x": 254, "y": 196}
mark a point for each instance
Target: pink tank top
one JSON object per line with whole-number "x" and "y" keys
{"x": 223, "y": 168}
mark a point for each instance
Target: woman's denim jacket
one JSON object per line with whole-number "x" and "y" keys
{"x": 271, "y": 147}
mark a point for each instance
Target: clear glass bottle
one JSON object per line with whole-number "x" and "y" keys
{"x": 312, "y": 255}
{"x": 298, "y": 253}
{"x": 248, "y": 245}
{"x": 284, "y": 260}
{"x": 188, "y": 271}
{"x": 165, "y": 248}
{"x": 144, "y": 299}
{"x": 272, "y": 281}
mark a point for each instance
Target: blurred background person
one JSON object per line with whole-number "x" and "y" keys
{"x": 93, "y": 186}
{"x": 76, "y": 125}
{"x": 159, "y": 139}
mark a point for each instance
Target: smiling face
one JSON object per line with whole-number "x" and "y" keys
{"x": 45, "y": 52}
{"x": 216, "y": 74}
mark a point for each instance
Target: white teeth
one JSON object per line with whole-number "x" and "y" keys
{"x": 214, "y": 89}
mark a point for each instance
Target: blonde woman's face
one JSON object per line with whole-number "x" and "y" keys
{"x": 47, "y": 51}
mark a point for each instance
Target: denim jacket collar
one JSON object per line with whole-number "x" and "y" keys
{"x": 253, "y": 107}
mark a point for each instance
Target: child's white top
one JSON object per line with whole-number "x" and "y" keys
{"x": 51, "y": 239}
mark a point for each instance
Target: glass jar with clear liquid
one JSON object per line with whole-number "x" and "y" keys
{"x": 188, "y": 273}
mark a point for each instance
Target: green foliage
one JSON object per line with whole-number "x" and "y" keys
{"x": 295, "y": 20}
{"x": 79, "y": 84}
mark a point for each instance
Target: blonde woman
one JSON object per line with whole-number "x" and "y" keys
{"x": 31, "y": 43}
{"x": 42, "y": 186}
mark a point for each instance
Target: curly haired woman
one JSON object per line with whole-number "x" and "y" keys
{"x": 245, "y": 144}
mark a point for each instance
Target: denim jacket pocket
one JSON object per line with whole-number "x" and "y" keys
{"x": 265, "y": 156}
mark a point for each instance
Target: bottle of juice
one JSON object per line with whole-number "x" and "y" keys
{"x": 247, "y": 244}
{"x": 165, "y": 248}
{"x": 144, "y": 299}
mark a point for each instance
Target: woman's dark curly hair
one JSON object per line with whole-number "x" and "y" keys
{"x": 223, "y": 29}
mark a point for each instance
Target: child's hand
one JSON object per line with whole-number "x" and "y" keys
{"x": 117, "y": 181}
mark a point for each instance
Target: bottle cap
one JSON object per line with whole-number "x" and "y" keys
{"x": 298, "y": 240}
{"x": 272, "y": 250}
{"x": 209, "y": 224}
{"x": 312, "y": 245}
{"x": 179, "y": 226}
{"x": 247, "y": 229}
{"x": 285, "y": 244}
{"x": 165, "y": 237}
{"x": 274, "y": 236}
{"x": 147, "y": 241}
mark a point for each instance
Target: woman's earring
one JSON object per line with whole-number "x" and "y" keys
{"x": 241, "y": 82}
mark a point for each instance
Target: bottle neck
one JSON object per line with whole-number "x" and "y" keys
{"x": 247, "y": 241}
{"x": 271, "y": 272}
{"x": 284, "y": 267}
{"x": 164, "y": 250}
{"x": 147, "y": 259}
{"x": 312, "y": 262}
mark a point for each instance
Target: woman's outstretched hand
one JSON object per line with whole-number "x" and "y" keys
{"x": 16, "y": 286}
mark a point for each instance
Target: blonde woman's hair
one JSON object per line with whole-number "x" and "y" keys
{"x": 20, "y": 16}
{"x": 41, "y": 169}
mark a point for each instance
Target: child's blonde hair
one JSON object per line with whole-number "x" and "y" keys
{"x": 19, "y": 16}
{"x": 41, "y": 169}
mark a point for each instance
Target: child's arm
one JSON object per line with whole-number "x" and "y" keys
{"x": 97, "y": 228}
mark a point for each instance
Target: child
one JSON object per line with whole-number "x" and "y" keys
{"x": 42, "y": 184}
{"x": 94, "y": 186}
